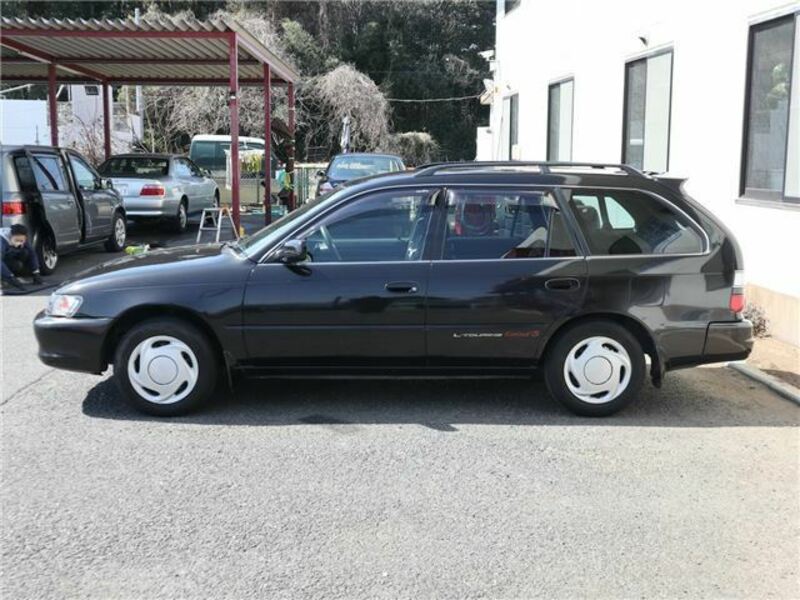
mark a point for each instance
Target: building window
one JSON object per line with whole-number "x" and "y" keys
{"x": 771, "y": 150}
{"x": 512, "y": 132}
{"x": 509, "y": 5}
{"x": 559, "y": 120}
{"x": 646, "y": 120}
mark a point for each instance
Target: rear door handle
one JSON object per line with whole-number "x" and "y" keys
{"x": 562, "y": 284}
{"x": 402, "y": 287}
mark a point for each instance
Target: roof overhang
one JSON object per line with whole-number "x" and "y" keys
{"x": 163, "y": 51}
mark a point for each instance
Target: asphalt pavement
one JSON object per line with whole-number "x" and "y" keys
{"x": 409, "y": 489}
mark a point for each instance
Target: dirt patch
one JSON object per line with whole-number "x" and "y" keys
{"x": 777, "y": 358}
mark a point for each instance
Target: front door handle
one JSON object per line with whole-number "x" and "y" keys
{"x": 402, "y": 287}
{"x": 562, "y": 284}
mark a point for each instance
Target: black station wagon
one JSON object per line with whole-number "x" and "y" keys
{"x": 594, "y": 273}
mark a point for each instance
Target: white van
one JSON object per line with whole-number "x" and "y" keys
{"x": 208, "y": 152}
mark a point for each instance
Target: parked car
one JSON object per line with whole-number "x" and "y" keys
{"x": 346, "y": 167}
{"x": 469, "y": 269}
{"x": 210, "y": 152}
{"x": 161, "y": 186}
{"x": 61, "y": 199}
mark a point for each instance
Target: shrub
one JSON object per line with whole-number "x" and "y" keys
{"x": 755, "y": 314}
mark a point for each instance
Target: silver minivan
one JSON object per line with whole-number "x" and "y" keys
{"x": 61, "y": 199}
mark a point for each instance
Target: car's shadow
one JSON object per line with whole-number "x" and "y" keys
{"x": 444, "y": 405}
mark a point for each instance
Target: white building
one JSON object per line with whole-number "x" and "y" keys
{"x": 80, "y": 116}
{"x": 708, "y": 90}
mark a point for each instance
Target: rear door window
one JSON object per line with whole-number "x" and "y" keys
{"x": 49, "y": 173}
{"x": 492, "y": 224}
{"x": 630, "y": 222}
{"x": 182, "y": 168}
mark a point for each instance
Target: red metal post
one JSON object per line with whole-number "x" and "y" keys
{"x": 233, "y": 106}
{"x": 267, "y": 144}
{"x": 290, "y": 148}
{"x": 51, "y": 103}
{"x": 106, "y": 120}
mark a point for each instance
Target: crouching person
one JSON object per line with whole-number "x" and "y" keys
{"x": 19, "y": 258}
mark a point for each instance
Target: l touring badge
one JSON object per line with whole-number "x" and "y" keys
{"x": 524, "y": 333}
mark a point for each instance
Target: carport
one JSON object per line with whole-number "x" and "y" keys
{"x": 163, "y": 51}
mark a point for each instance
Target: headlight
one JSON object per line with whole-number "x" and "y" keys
{"x": 63, "y": 305}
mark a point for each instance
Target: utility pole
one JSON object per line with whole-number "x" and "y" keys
{"x": 139, "y": 98}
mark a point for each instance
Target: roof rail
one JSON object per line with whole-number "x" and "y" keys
{"x": 545, "y": 166}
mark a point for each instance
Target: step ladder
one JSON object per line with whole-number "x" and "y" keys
{"x": 212, "y": 220}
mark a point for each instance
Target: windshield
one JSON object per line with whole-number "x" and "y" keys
{"x": 135, "y": 166}
{"x": 345, "y": 168}
{"x": 255, "y": 244}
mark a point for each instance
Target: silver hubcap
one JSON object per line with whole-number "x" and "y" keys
{"x": 597, "y": 370}
{"x": 162, "y": 369}
{"x": 50, "y": 256}
{"x": 120, "y": 232}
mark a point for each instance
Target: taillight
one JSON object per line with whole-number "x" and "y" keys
{"x": 152, "y": 189}
{"x": 737, "y": 302}
{"x": 14, "y": 207}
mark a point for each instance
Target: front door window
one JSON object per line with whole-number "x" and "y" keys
{"x": 384, "y": 227}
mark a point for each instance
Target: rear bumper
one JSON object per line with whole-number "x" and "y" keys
{"x": 728, "y": 341}
{"x": 72, "y": 344}
{"x": 136, "y": 206}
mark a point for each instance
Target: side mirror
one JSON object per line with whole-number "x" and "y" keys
{"x": 292, "y": 251}
{"x": 321, "y": 175}
{"x": 207, "y": 172}
{"x": 103, "y": 184}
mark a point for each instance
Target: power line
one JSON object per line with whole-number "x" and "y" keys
{"x": 426, "y": 100}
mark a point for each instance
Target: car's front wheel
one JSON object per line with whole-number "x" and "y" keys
{"x": 595, "y": 368}
{"x": 165, "y": 367}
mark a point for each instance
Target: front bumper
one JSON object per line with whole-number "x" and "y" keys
{"x": 72, "y": 344}
{"x": 728, "y": 341}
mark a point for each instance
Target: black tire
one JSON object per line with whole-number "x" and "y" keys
{"x": 216, "y": 199}
{"x": 180, "y": 223}
{"x": 207, "y": 365}
{"x": 554, "y": 368}
{"x": 46, "y": 253}
{"x": 116, "y": 240}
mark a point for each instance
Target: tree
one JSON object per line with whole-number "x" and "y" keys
{"x": 345, "y": 92}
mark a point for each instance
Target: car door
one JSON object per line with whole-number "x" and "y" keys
{"x": 98, "y": 203}
{"x": 508, "y": 271}
{"x": 203, "y": 186}
{"x": 183, "y": 177}
{"x": 58, "y": 202}
{"x": 359, "y": 300}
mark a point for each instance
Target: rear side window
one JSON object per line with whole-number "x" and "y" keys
{"x": 27, "y": 182}
{"x": 631, "y": 222}
{"x": 490, "y": 224}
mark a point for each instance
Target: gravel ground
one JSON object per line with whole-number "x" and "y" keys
{"x": 413, "y": 489}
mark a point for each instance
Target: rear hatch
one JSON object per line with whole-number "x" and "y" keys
{"x": 15, "y": 198}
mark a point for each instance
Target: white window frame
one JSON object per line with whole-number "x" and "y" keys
{"x": 646, "y": 57}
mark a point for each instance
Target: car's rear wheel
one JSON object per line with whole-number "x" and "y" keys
{"x": 46, "y": 253}
{"x": 119, "y": 234}
{"x": 595, "y": 368}
{"x": 181, "y": 220}
{"x": 165, "y": 367}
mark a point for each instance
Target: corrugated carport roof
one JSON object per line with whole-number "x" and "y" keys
{"x": 162, "y": 51}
